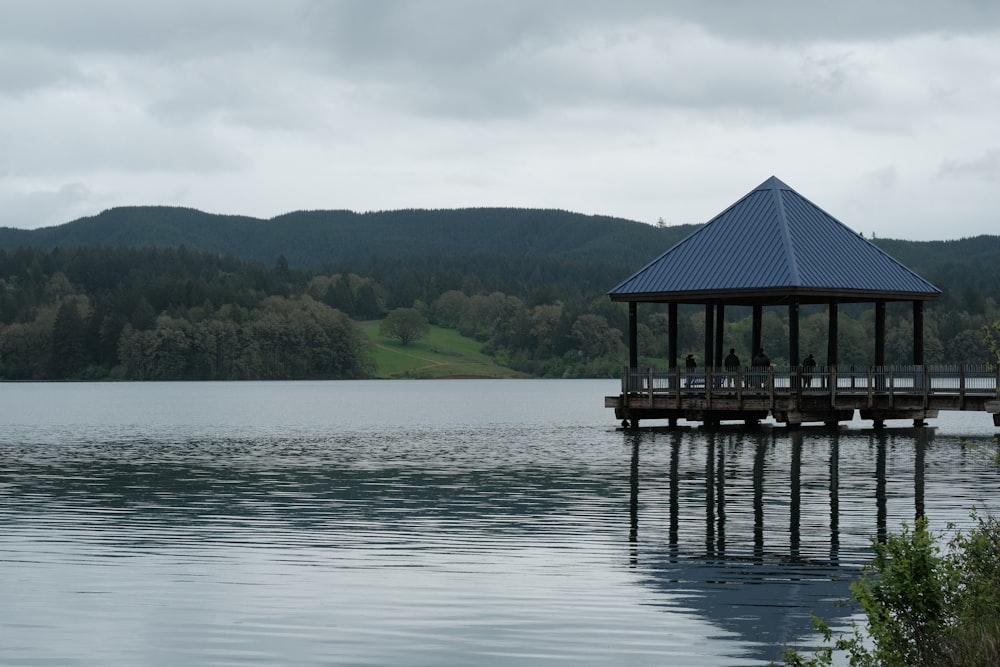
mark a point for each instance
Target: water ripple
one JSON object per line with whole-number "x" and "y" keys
{"x": 312, "y": 541}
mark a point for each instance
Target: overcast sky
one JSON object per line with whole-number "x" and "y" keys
{"x": 885, "y": 114}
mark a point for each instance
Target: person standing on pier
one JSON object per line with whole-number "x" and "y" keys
{"x": 690, "y": 363}
{"x": 761, "y": 362}
{"x": 808, "y": 366}
{"x": 732, "y": 364}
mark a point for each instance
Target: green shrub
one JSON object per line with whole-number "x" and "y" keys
{"x": 924, "y": 605}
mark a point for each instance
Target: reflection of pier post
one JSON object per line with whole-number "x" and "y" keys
{"x": 918, "y": 473}
{"x": 710, "y": 494}
{"x": 796, "y": 494}
{"x": 718, "y": 445}
{"x": 720, "y": 486}
{"x": 880, "y": 499}
{"x": 834, "y": 498}
{"x": 675, "y": 454}
{"x": 715, "y": 497}
{"x": 633, "y": 532}
{"x": 758, "y": 499}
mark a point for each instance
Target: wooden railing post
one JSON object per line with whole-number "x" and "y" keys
{"x": 739, "y": 388}
{"x": 927, "y": 386}
{"x": 961, "y": 386}
{"x": 892, "y": 385}
{"x": 677, "y": 380}
{"x": 770, "y": 384}
{"x": 795, "y": 386}
{"x": 832, "y": 381}
{"x": 649, "y": 381}
{"x": 708, "y": 387}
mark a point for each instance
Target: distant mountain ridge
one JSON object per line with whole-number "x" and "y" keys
{"x": 310, "y": 239}
{"x": 539, "y": 241}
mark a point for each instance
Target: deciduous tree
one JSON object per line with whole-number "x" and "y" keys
{"x": 405, "y": 324}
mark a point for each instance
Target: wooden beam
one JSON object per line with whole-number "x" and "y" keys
{"x": 672, "y": 335}
{"x": 793, "y": 333}
{"x": 880, "y": 333}
{"x": 709, "y": 332}
{"x": 758, "y": 316}
{"x": 832, "y": 336}
{"x": 633, "y": 335}
{"x": 918, "y": 333}
{"x": 720, "y": 322}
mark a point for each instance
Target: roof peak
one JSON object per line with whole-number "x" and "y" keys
{"x": 773, "y": 183}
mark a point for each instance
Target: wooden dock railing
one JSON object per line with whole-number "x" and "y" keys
{"x": 977, "y": 380}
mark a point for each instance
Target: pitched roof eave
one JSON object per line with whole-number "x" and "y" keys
{"x": 775, "y": 296}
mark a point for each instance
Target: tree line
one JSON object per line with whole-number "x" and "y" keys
{"x": 166, "y": 314}
{"x": 176, "y": 313}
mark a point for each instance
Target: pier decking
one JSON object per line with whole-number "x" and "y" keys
{"x": 828, "y": 395}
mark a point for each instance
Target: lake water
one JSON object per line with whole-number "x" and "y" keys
{"x": 490, "y": 522}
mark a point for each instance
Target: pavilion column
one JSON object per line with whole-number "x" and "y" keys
{"x": 720, "y": 322}
{"x": 672, "y": 335}
{"x": 633, "y": 335}
{"x": 832, "y": 336}
{"x": 880, "y": 333}
{"x": 918, "y": 333}
{"x": 793, "y": 333}
{"x": 709, "y": 331}
{"x": 758, "y": 316}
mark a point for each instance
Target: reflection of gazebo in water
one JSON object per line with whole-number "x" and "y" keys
{"x": 774, "y": 247}
{"x": 761, "y": 529}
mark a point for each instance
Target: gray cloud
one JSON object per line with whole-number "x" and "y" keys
{"x": 24, "y": 207}
{"x": 639, "y": 108}
{"x": 985, "y": 166}
{"x": 179, "y": 28}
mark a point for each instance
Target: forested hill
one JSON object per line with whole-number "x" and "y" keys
{"x": 494, "y": 248}
{"x": 488, "y": 248}
{"x": 312, "y": 239}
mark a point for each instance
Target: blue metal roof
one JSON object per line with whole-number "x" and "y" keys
{"x": 770, "y": 245}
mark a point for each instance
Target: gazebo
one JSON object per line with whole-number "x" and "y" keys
{"x": 773, "y": 247}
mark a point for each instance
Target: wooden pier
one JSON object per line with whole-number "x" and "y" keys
{"x": 826, "y": 395}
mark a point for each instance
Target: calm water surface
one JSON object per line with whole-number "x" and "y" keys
{"x": 438, "y": 523}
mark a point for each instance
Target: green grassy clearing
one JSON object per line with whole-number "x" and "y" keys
{"x": 443, "y": 353}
